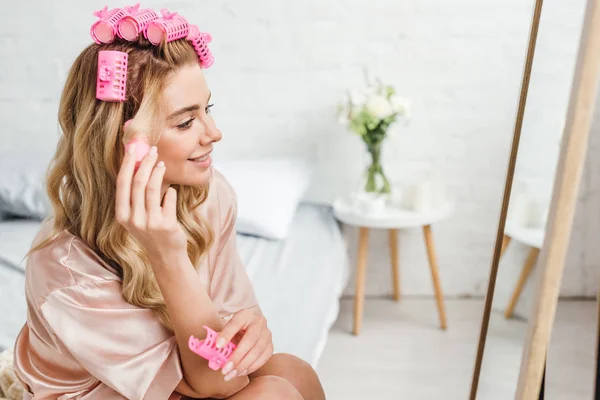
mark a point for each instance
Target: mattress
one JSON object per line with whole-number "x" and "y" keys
{"x": 298, "y": 281}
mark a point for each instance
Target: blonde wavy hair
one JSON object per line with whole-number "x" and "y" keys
{"x": 81, "y": 178}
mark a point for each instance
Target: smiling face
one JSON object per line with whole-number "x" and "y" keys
{"x": 189, "y": 132}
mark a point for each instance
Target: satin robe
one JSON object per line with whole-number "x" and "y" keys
{"x": 83, "y": 340}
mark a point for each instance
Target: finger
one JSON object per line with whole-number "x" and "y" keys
{"x": 260, "y": 362}
{"x": 123, "y": 190}
{"x": 249, "y": 340}
{"x": 239, "y": 321}
{"x": 255, "y": 353}
{"x": 138, "y": 189}
{"x": 153, "y": 195}
{"x": 169, "y": 208}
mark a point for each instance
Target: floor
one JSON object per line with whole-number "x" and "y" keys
{"x": 402, "y": 354}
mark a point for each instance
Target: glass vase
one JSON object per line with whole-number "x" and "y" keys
{"x": 375, "y": 180}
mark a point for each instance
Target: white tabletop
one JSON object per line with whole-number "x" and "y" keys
{"x": 390, "y": 218}
{"x": 533, "y": 237}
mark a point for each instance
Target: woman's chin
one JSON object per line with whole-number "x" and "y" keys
{"x": 198, "y": 177}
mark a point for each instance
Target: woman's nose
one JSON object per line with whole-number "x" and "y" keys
{"x": 211, "y": 132}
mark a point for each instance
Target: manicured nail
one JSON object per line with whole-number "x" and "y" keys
{"x": 220, "y": 343}
{"x": 228, "y": 367}
{"x": 153, "y": 150}
{"x": 131, "y": 148}
{"x": 160, "y": 164}
{"x": 244, "y": 372}
{"x": 231, "y": 375}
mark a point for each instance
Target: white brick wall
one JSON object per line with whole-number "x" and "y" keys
{"x": 282, "y": 66}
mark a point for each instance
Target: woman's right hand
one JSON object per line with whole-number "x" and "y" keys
{"x": 138, "y": 206}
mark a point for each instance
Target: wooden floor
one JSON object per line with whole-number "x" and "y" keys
{"x": 402, "y": 354}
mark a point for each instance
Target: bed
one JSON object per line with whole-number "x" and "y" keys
{"x": 298, "y": 280}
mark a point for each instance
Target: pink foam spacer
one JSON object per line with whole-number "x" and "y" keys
{"x": 104, "y": 30}
{"x": 207, "y": 349}
{"x": 135, "y": 21}
{"x": 200, "y": 41}
{"x": 171, "y": 26}
{"x": 142, "y": 147}
{"x": 112, "y": 75}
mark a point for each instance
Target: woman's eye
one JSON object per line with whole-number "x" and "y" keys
{"x": 186, "y": 124}
{"x": 207, "y": 109}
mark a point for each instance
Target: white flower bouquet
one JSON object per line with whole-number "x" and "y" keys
{"x": 369, "y": 114}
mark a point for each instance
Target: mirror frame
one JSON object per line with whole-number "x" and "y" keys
{"x": 562, "y": 208}
{"x": 512, "y": 162}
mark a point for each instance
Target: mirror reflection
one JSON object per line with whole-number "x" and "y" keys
{"x": 547, "y": 102}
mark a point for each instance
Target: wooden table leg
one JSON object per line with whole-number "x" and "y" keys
{"x": 527, "y": 268}
{"x": 505, "y": 242}
{"x": 435, "y": 274}
{"x": 361, "y": 272}
{"x": 393, "y": 238}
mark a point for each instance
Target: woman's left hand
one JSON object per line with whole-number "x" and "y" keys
{"x": 255, "y": 346}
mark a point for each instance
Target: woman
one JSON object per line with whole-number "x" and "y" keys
{"x": 137, "y": 258}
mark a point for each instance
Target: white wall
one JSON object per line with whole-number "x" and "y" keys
{"x": 281, "y": 67}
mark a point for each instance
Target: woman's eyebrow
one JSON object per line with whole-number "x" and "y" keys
{"x": 183, "y": 110}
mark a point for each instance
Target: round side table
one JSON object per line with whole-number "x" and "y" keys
{"x": 392, "y": 220}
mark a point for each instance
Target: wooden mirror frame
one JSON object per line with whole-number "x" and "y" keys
{"x": 562, "y": 208}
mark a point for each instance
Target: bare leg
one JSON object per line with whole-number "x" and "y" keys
{"x": 295, "y": 371}
{"x": 267, "y": 387}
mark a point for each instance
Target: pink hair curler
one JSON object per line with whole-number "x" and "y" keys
{"x": 112, "y": 75}
{"x": 142, "y": 147}
{"x": 135, "y": 21}
{"x": 207, "y": 349}
{"x": 200, "y": 41}
{"x": 171, "y": 26}
{"x": 104, "y": 30}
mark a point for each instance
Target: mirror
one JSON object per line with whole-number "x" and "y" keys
{"x": 548, "y": 95}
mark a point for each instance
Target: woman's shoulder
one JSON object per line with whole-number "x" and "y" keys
{"x": 221, "y": 202}
{"x": 221, "y": 189}
{"x": 66, "y": 261}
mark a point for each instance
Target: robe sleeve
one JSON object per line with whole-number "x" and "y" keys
{"x": 125, "y": 347}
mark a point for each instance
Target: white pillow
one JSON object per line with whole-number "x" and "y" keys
{"x": 22, "y": 191}
{"x": 268, "y": 193}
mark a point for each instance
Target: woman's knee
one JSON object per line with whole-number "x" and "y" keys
{"x": 287, "y": 365}
{"x": 296, "y": 371}
{"x": 268, "y": 387}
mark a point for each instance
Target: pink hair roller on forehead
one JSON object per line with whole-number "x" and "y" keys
{"x": 135, "y": 21}
{"x": 207, "y": 349}
{"x": 200, "y": 41}
{"x": 112, "y": 75}
{"x": 104, "y": 30}
{"x": 171, "y": 26}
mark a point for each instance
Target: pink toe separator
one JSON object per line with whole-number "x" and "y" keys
{"x": 207, "y": 349}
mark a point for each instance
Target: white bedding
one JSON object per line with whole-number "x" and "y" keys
{"x": 298, "y": 281}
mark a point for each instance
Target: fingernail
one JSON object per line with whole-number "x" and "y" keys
{"x": 160, "y": 164}
{"x": 220, "y": 343}
{"x": 153, "y": 150}
{"x": 231, "y": 375}
{"x": 244, "y": 372}
{"x": 228, "y": 367}
{"x": 131, "y": 148}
